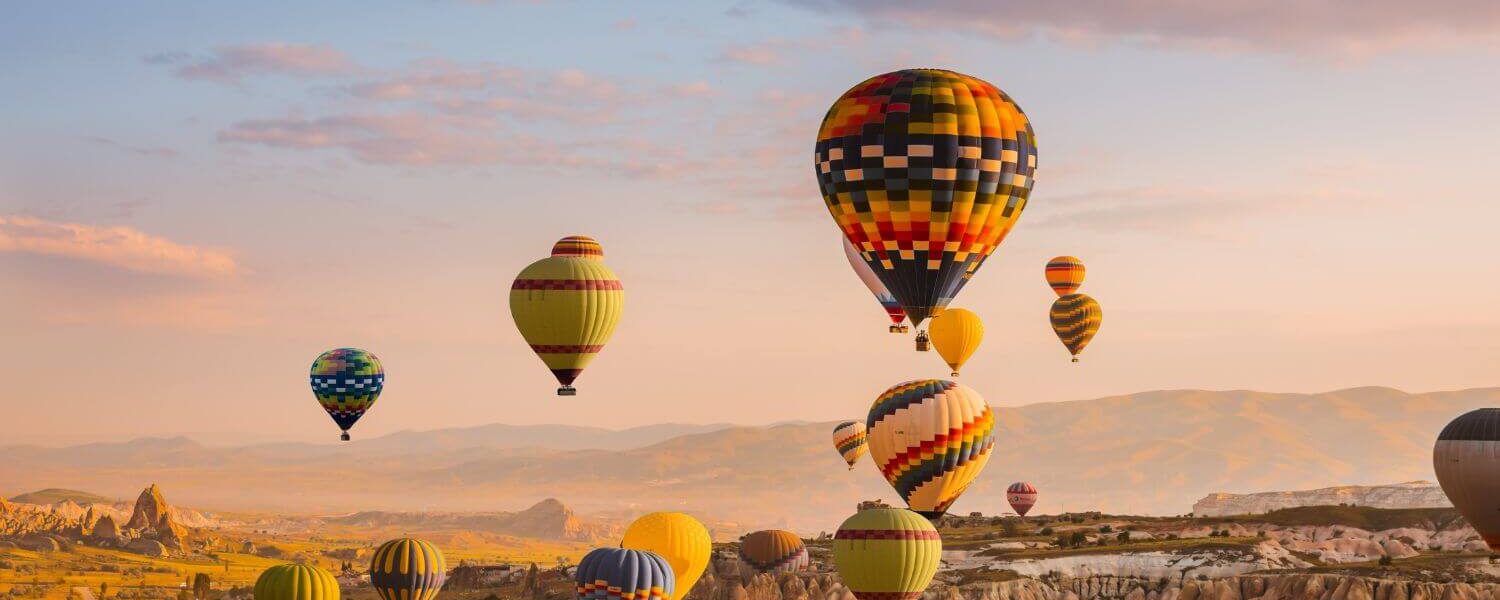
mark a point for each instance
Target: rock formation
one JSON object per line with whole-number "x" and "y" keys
{"x": 146, "y": 547}
{"x": 1412, "y": 494}
{"x": 150, "y": 507}
{"x": 105, "y": 529}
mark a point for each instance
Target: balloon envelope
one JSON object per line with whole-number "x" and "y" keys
{"x": 774, "y": 551}
{"x": 925, "y": 171}
{"x": 680, "y": 539}
{"x": 1021, "y": 496}
{"x": 296, "y": 582}
{"x": 1065, "y": 274}
{"x": 1466, "y": 458}
{"x": 615, "y": 573}
{"x": 347, "y": 382}
{"x": 1075, "y": 320}
{"x": 956, "y": 334}
{"x": 887, "y": 554}
{"x": 849, "y": 440}
{"x": 930, "y": 438}
{"x": 567, "y": 306}
{"x": 872, "y": 282}
{"x": 407, "y": 569}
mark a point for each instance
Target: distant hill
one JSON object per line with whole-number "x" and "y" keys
{"x": 1147, "y": 453}
{"x": 59, "y": 495}
{"x": 1412, "y": 494}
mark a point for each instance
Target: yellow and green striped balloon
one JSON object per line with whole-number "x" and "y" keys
{"x": 296, "y": 582}
{"x": 407, "y": 569}
{"x": 1075, "y": 320}
{"x": 887, "y": 554}
{"x": 567, "y": 306}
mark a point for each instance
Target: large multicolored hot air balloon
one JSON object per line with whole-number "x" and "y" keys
{"x": 347, "y": 381}
{"x": 925, "y": 171}
{"x": 956, "y": 334}
{"x": 676, "y": 537}
{"x": 1021, "y": 496}
{"x": 621, "y": 574}
{"x": 773, "y": 551}
{"x": 1466, "y": 458}
{"x": 872, "y": 281}
{"x": 407, "y": 569}
{"x": 1075, "y": 320}
{"x": 296, "y": 582}
{"x": 930, "y": 438}
{"x": 567, "y": 306}
{"x": 849, "y": 440}
{"x": 1065, "y": 274}
{"x": 887, "y": 554}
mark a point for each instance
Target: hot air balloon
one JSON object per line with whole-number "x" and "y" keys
{"x": 678, "y": 538}
{"x": 567, "y": 306}
{"x": 849, "y": 440}
{"x": 773, "y": 551}
{"x": 930, "y": 438}
{"x": 407, "y": 569}
{"x": 1065, "y": 274}
{"x": 1021, "y": 496}
{"x": 871, "y": 281}
{"x": 887, "y": 554}
{"x": 1466, "y": 458}
{"x": 925, "y": 171}
{"x": 347, "y": 381}
{"x": 956, "y": 334}
{"x": 296, "y": 582}
{"x": 1075, "y": 320}
{"x": 616, "y": 573}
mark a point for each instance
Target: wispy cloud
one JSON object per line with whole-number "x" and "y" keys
{"x": 154, "y": 151}
{"x": 117, "y": 246}
{"x": 230, "y": 64}
{"x": 1343, "y": 28}
{"x": 778, "y": 50}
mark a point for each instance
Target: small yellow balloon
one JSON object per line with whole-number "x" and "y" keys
{"x": 956, "y": 334}
{"x": 676, "y": 537}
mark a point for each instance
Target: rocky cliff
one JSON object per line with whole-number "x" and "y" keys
{"x": 151, "y": 519}
{"x": 1413, "y": 494}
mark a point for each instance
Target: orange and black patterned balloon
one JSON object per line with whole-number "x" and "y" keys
{"x": 925, "y": 171}
{"x": 1075, "y": 320}
{"x": 1065, "y": 274}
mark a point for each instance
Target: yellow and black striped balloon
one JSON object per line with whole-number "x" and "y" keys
{"x": 407, "y": 569}
{"x": 1075, "y": 320}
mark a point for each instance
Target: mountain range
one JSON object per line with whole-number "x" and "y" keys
{"x": 1147, "y": 453}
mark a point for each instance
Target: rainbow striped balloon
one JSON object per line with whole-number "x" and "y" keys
{"x": 849, "y": 440}
{"x": 930, "y": 438}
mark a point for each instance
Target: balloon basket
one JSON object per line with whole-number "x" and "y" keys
{"x": 953, "y": 374}
{"x": 897, "y": 329}
{"x": 567, "y": 390}
{"x": 344, "y": 437}
{"x": 1075, "y": 359}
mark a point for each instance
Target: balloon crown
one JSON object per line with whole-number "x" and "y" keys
{"x": 578, "y": 245}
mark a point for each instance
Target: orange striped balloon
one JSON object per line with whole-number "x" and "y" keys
{"x": 1065, "y": 274}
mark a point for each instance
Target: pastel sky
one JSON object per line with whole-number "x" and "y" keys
{"x": 196, "y": 199}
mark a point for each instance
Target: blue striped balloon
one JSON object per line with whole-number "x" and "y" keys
{"x": 620, "y": 574}
{"x": 407, "y": 569}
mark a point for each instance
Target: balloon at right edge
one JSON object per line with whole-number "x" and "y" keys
{"x": 930, "y": 438}
{"x": 1075, "y": 320}
{"x": 925, "y": 171}
{"x": 1466, "y": 458}
{"x": 887, "y": 554}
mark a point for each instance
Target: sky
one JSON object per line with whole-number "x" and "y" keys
{"x": 198, "y": 199}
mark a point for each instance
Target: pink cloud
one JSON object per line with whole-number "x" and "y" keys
{"x": 231, "y": 63}
{"x": 1342, "y": 27}
{"x": 772, "y": 51}
{"x": 117, "y": 246}
{"x": 403, "y": 138}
